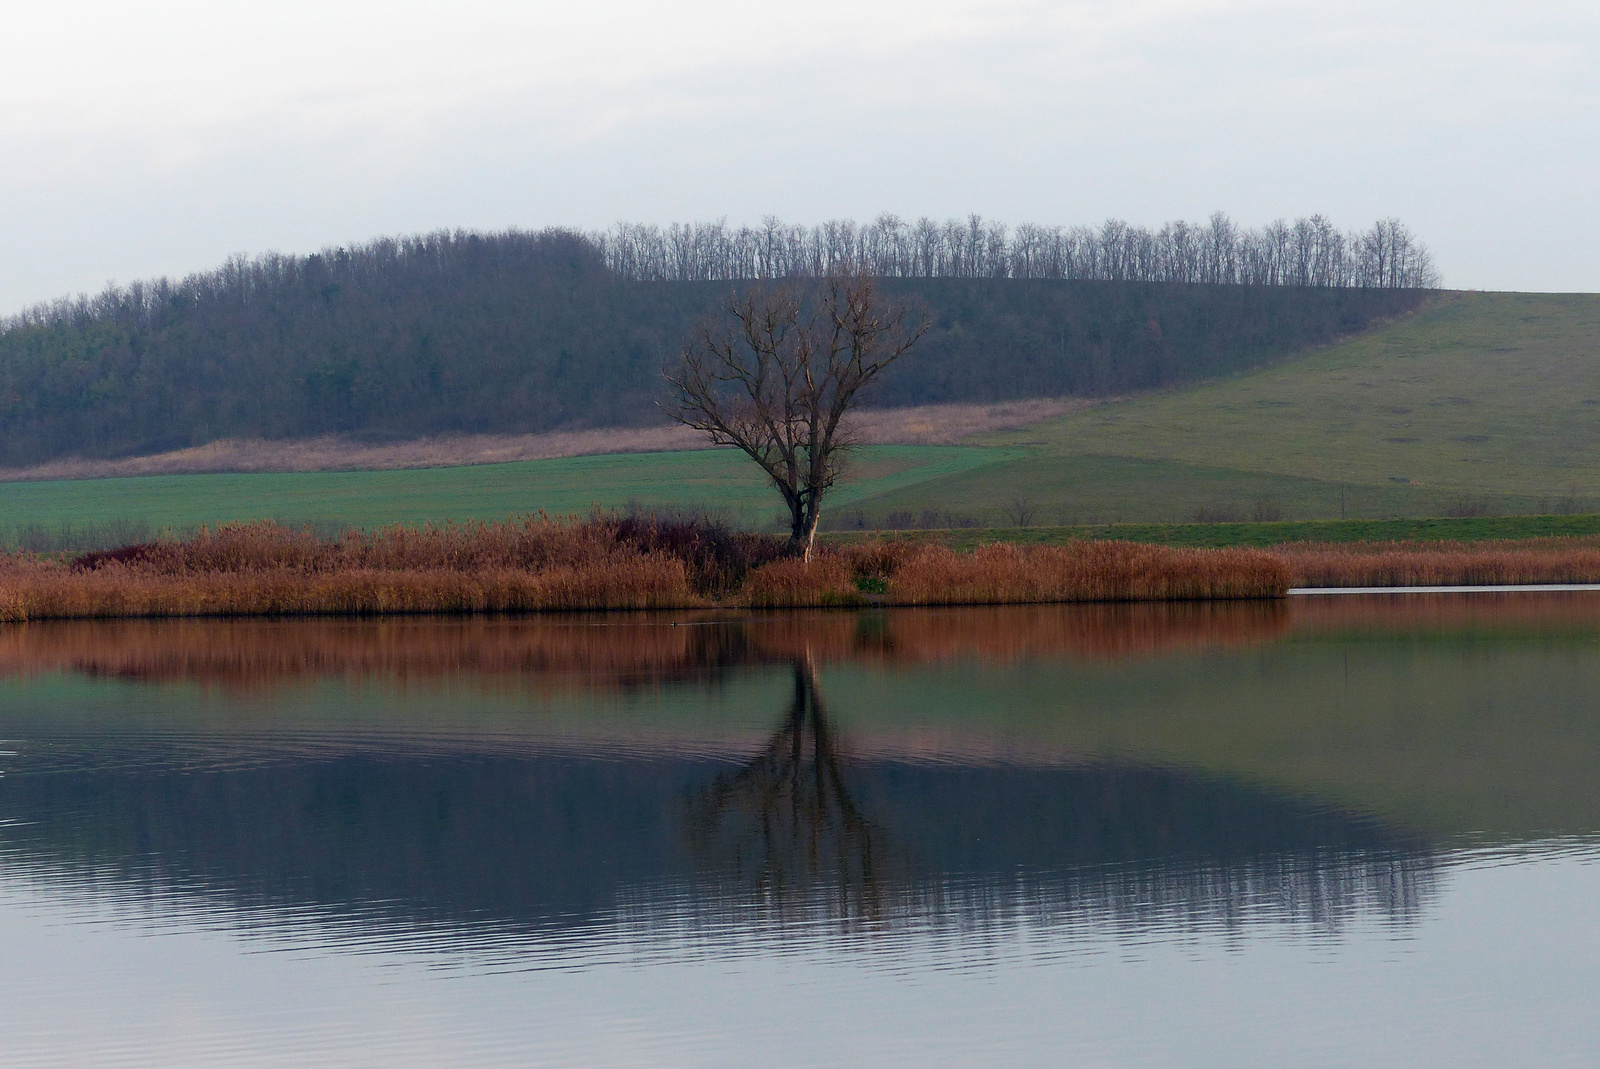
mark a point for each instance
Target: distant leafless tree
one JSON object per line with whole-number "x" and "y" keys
{"x": 1267, "y": 510}
{"x": 1022, "y": 512}
{"x": 776, "y": 374}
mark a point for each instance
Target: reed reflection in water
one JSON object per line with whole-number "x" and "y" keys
{"x": 539, "y": 835}
{"x": 615, "y": 649}
{"x": 1359, "y": 831}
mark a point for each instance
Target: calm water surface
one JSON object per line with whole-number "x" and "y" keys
{"x": 1363, "y": 831}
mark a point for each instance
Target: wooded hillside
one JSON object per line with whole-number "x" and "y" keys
{"x": 522, "y": 332}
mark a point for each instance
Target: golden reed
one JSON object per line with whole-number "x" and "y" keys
{"x": 1510, "y": 563}
{"x": 901, "y": 573}
{"x": 605, "y": 563}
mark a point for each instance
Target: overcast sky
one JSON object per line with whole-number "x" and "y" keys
{"x": 157, "y": 137}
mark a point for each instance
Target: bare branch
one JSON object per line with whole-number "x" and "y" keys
{"x": 776, "y": 375}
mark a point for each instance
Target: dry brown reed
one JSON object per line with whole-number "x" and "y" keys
{"x": 635, "y": 584}
{"x": 828, "y": 580}
{"x": 605, "y": 563}
{"x": 1548, "y": 560}
{"x": 1083, "y": 571}
{"x": 892, "y": 572}
{"x": 262, "y": 569}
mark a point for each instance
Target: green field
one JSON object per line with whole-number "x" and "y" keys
{"x": 1482, "y": 404}
{"x": 1496, "y": 393}
{"x": 720, "y": 481}
{"x": 1065, "y": 489}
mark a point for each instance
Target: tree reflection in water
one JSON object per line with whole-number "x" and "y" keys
{"x": 981, "y": 849}
{"x": 784, "y": 830}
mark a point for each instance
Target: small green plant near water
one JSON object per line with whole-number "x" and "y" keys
{"x": 872, "y": 584}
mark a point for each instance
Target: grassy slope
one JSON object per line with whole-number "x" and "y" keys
{"x": 715, "y": 479}
{"x": 1482, "y": 399}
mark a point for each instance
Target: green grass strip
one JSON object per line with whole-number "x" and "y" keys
{"x": 1213, "y": 535}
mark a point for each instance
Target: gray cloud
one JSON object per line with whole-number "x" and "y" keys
{"x": 1468, "y": 122}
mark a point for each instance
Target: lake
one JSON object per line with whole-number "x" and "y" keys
{"x": 1356, "y": 831}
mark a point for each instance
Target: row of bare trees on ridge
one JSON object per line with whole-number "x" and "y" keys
{"x": 1308, "y": 252}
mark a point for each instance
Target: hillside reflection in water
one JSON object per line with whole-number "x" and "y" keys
{"x": 256, "y": 793}
{"x": 920, "y": 794}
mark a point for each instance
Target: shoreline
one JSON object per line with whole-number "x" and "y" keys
{"x": 1504, "y": 588}
{"x": 631, "y": 564}
{"x": 606, "y": 563}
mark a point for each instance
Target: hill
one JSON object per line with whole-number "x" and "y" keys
{"x": 1480, "y": 404}
{"x": 525, "y": 333}
{"x": 1477, "y": 405}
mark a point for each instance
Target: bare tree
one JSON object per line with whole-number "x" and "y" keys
{"x": 776, "y": 375}
{"x": 1022, "y": 512}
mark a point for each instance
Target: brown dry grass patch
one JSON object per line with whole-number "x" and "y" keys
{"x": 919, "y": 425}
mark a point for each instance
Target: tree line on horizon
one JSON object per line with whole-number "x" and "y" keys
{"x": 517, "y": 332}
{"x": 1308, "y": 252}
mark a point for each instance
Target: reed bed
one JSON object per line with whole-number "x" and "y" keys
{"x": 56, "y": 595}
{"x": 263, "y": 569}
{"x": 1084, "y": 571}
{"x": 1544, "y": 560}
{"x": 606, "y": 563}
{"x": 905, "y": 573}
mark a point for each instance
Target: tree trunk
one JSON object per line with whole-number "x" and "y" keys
{"x": 803, "y": 531}
{"x": 809, "y": 534}
{"x": 797, "y": 529}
